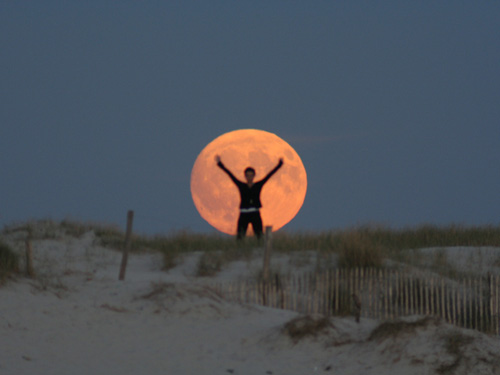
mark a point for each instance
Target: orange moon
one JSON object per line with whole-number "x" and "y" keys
{"x": 217, "y": 198}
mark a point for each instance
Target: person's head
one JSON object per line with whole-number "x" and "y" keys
{"x": 249, "y": 174}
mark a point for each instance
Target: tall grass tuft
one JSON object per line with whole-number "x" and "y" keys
{"x": 9, "y": 262}
{"x": 357, "y": 250}
{"x": 306, "y": 326}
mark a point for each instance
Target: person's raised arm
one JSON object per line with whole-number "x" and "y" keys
{"x": 275, "y": 169}
{"x": 223, "y": 167}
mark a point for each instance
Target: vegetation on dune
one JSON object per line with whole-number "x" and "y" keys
{"x": 306, "y": 326}
{"x": 391, "y": 239}
{"x": 356, "y": 250}
{"x": 385, "y": 237}
{"x": 356, "y": 247}
{"x": 393, "y": 329}
{"x": 51, "y": 229}
{"x": 455, "y": 343}
{"x": 364, "y": 246}
{"x": 368, "y": 247}
{"x": 9, "y": 262}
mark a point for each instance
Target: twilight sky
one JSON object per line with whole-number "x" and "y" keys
{"x": 393, "y": 106}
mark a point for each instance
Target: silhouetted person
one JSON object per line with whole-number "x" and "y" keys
{"x": 250, "y": 198}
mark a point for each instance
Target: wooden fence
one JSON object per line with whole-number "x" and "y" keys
{"x": 470, "y": 302}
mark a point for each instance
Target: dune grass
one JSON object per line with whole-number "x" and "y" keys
{"x": 363, "y": 246}
{"x": 392, "y": 239}
{"x": 386, "y": 238}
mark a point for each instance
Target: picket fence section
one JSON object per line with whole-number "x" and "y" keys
{"x": 469, "y": 302}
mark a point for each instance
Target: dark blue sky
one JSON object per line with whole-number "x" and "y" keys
{"x": 393, "y": 106}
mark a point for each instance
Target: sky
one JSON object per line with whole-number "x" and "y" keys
{"x": 393, "y": 107}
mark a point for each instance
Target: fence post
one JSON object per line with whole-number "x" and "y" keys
{"x": 30, "y": 272}
{"x": 267, "y": 253}
{"x": 126, "y": 248}
{"x": 495, "y": 314}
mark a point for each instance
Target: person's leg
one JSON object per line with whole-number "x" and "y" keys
{"x": 257, "y": 224}
{"x": 243, "y": 222}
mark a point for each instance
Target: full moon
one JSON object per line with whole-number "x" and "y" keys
{"x": 217, "y": 198}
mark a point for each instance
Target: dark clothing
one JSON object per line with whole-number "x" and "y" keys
{"x": 250, "y": 199}
{"x": 250, "y": 196}
{"x": 249, "y": 218}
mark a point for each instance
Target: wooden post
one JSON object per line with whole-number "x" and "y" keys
{"x": 495, "y": 315}
{"x": 389, "y": 299}
{"x": 471, "y": 294}
{"x": 433, "y": 309}
{"x": 445, "y": 302}
{"x": 410, "y": 290}
{"x": 357, "y": 307}
{"x": 267, "y": 254}
{"x": 386, "y": 293}
{"x": 126, "y": 248}
{"x": 30, "y": 272}
{"x": 420, "y": 286}
{"x": 477, "y": 293}
{"x": 490, "y": 303}
{"x": 465, "y": 304}
{"x": 479, "y": 283}
{"x": 370, "y": 293}
{"x": 407, "y": 290}
{"x": 453, "y": 306}
{"x": 337, "y": 291}
{"x": 427, "y": 298}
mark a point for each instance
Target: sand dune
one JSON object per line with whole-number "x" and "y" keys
{"x": 77, "y": 318}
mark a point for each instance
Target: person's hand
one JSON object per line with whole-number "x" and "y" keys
{"x": 217, "y": 159}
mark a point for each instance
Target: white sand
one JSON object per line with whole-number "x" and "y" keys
{"x": 77, "y": 318}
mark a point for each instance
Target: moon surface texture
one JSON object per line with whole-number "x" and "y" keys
{"x": 217, "y": 198}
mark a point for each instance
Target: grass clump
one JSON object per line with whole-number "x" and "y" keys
{"x": 212, "y": 262}
{"x": 358, "y": 251}
{"x": 454, "y": 343}
{"x": 209, "y": 264}
{"x": 396, "y": 328}
{"x": 111, "y": 237}
{"x": 75, "y": 228}
{"x": 306, "y": 326}
{"x": 218, "y": 249}
{"x": 9, "y": 262}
